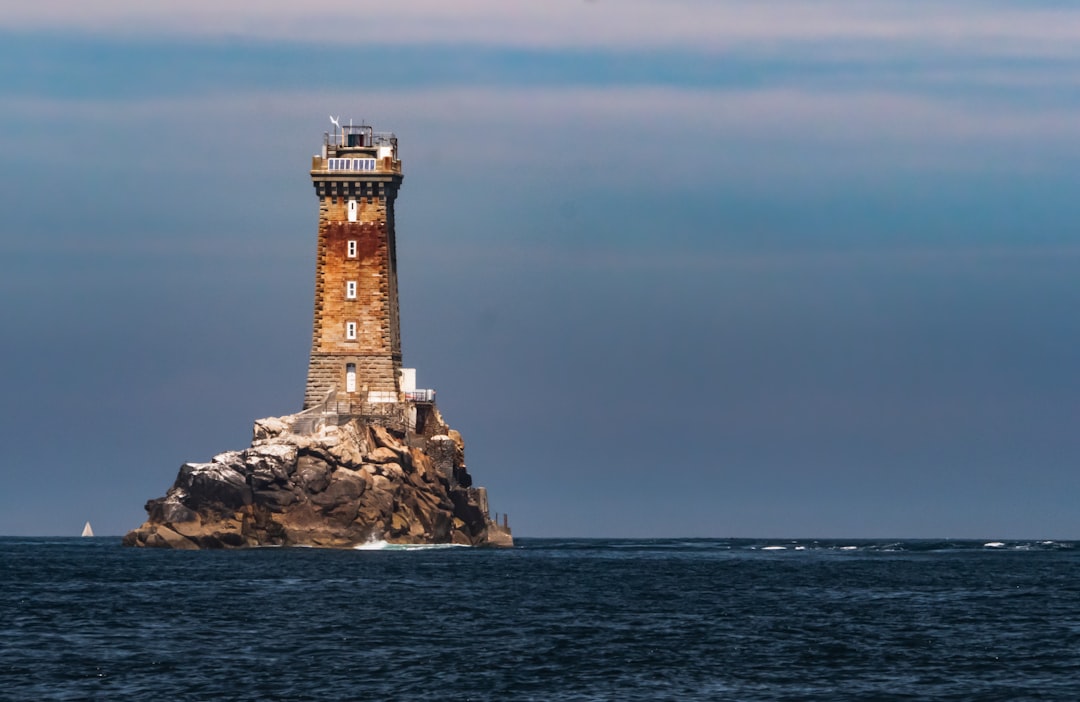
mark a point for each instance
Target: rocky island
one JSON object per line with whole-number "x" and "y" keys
{"x": 326, "y": 485}
{"x": 369, "y": 458}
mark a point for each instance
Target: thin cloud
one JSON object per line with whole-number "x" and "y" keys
{"x": 709, "y": 26}
{"x": 500, "y": 126}
{"x": 897, "y": 257}
{"x": 848, "y": 114}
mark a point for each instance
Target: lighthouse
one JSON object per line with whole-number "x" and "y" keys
{"x": 402, "y": 474}
{"x": 355, "y": 363}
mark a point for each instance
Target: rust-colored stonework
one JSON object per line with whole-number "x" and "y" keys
{"x": 356, "y": 340}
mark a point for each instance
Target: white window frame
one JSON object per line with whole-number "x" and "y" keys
{"x": 350, "y": 248}
{"x": 350, "y": 331}
{"x": 350, "y": 290}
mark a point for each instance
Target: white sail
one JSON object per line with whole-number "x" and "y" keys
{"x": 87, "y": 531}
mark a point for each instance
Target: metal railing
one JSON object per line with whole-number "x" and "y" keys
{"x": 385, "y": 414}
{"x": 332, "y": 409}
{"x": 316, "y": 417}
{"x": 370, "y": 137}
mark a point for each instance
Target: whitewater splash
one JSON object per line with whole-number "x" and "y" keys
{"x": 382, "y": 545}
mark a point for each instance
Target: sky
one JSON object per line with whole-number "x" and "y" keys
{"x": 675, "y": 268}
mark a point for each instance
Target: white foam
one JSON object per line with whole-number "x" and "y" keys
{"x": 849, "y": 548}
{"x": 381, "y": 545}
{"x": 994, "y": 544}
{"x": 372, "y": 545}
{"x": 774, "y": 548}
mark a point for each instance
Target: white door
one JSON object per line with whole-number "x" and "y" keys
{"x": 352, "y": 210}
{"x": 350, "y": 377}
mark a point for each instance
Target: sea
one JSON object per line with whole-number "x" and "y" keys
{"x": 551, "y": 619}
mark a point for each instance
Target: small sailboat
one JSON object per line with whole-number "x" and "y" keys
{"x": 87, "y": 531}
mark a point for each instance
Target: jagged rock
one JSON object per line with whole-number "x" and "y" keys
{"x": 274, "y": 498}
{"x": 345, "y": 486}
{"x": 174, "y": 511}
{"x": 383, "y": 455}
{"x": 339, "y": 486}
{"x": 164, "y": 536}
{"x": 213, "y": 483}
{"x": 383, "y": 438}
{"x": 313, "y": 473}
{"x": 424, "y": 467}
{"x": 270, "y": 428}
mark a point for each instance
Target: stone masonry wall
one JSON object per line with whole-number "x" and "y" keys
{"x": 376, "y": 350}
{"x": 327, "y": 371}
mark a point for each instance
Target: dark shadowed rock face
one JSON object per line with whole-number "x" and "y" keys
{"x": 340, "y": 487}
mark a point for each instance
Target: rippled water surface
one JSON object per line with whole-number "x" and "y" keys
{"x": 549, "y": 620}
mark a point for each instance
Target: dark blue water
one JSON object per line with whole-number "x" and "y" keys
{"x": 85, "y": 619}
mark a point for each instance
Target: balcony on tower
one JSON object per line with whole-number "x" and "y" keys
{"x": 357, "y": 151}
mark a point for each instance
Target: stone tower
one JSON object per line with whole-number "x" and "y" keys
{"x": 356, "y": 340}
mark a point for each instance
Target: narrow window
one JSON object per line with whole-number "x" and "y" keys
{"x": 350, "y": 290}
{"x": 352, "y": 248}
{"x": 350, "y": 377}
{"x": 350, "y": 330}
